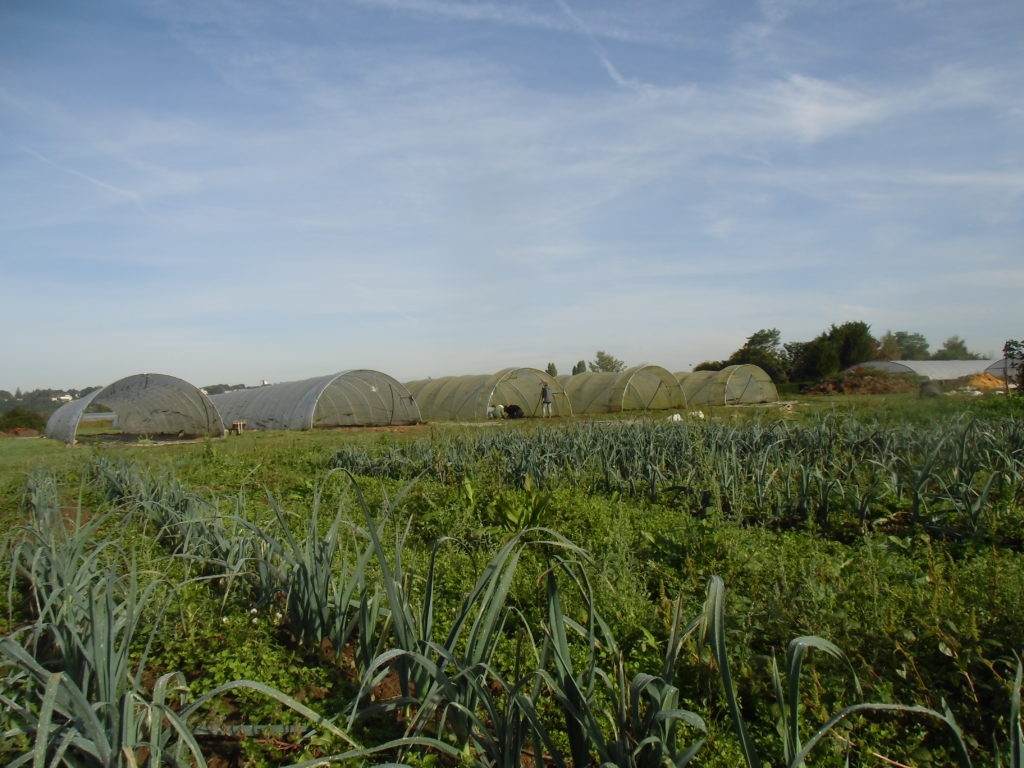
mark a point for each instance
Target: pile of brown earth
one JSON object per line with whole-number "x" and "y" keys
{"x": 860, "y": 382}
{"x": 984, "y": 382}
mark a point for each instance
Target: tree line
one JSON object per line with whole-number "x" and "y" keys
{"x": 834, "y": 350}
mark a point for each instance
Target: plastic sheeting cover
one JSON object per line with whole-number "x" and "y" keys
{"x": 696, "y": 387}
{"x": 357, "y": 398}
{"x": 733, "y": 385}
{"x": 145, "y": 404}
{"x": 936, "y": 370}
{"x": 1005, "y": 368}
{"x": 645, "y": 387}
{"x": 469, "y": 397}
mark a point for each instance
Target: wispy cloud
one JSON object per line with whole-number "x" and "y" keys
{"x": 125, "y": 194}
{"x": 506, "y": 13}
{"x": 597, "y": 48}
{"x": 518, "y": 179}
{"x": 623, "y": 24}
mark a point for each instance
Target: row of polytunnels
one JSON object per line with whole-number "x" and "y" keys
{"x": 161, "y": 406}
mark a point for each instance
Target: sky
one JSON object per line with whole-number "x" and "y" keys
{"x": 231, "y": 191}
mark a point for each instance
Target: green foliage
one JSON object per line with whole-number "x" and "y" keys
{"x": 622, "y": 721}
{"x": 840, "y": 347}
{"x": 325, "y": 591}
{"x": 853, "y": 343}
{"x": 1014, "y": 350}
{"x": 903, "y": 345}
{"x": 950, "y": 478}
{"x": 763, "y": 349}
{"x": 955, "y": 348}
{"x": 710, "y": 365}
{"x": 76, "y": 682}
{"x": 21, "y": 417}
{"x": 813, "y": 360}
{"x": 895, "y": 533}
{"x": 514, "y": 509}
{"x": 580, "y": 367}
{"x": 605, "y": 363}
{"x": 42, "y": 401}
{"x": 552, "y": 369}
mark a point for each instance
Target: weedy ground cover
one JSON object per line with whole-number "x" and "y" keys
{"x": 494, "y": 595}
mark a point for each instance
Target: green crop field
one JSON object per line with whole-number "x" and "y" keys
{"x": 838, "y": 583}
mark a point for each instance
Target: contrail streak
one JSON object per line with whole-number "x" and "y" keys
{"x": 598, "y": 50}
{"x": 125, "y": 193}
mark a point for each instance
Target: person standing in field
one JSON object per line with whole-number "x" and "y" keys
{"x": 546, "y": 399}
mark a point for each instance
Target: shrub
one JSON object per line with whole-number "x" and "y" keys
{"x": 21, "y": 418}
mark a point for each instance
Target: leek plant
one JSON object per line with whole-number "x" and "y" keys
{"x": 839, "y": 473}
{"x": 794, "y": 751}
{"x": 74, "y": 682}
{"x": 191, "y": 526}
{"x": 622, "y": 721}
{"x": 326, "y": 592}
{"x": 477, "y": 626}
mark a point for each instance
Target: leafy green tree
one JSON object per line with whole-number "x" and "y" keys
{"x": 764, "y": 350}
{"x": 888, "y": 349}
{"x": 605, "y": 363}
{"x": 1014, "y": 350}
{"x": 580, "y": 367}
{"x": 792, "y": 352}
{"x": 853, "y": 343}
{"x": 552, "y": 369}
{"x": 955, "y": 348}
{"x": 902, "y": 345}
{"x": 710, "y": 365}
{"x": 813, "y": 360}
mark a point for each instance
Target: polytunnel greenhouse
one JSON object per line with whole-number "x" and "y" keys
{"x": 935, "y": 370}
{"x": 358, "y": 398}
{"x": 642, "y": 388}
{"x": 733, "y": 385}
{"x": 1007, "y": 369}
{"x": 151, "y": 405}
{"x": 476, "y": 397}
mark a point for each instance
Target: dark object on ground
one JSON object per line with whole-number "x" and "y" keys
{"x": 929, "y": 389}
{"x": 514, "y": 412}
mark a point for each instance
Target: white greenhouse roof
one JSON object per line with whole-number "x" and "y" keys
{"x": 937, "y": 370}
{"x": 1005, "y": 367}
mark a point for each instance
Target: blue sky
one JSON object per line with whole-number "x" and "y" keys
{"x": 237, "y": 190}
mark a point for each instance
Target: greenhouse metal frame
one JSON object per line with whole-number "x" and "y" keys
{"x": 474, "y": 397}
{"x": 936, "y": 370}
{"x": 733, "y": 385}
{"x": 640, "y": 388}
{"x": 146, "y": 405}
{"x": 1006, "y": 369}
{"x": 354, "y": 398}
